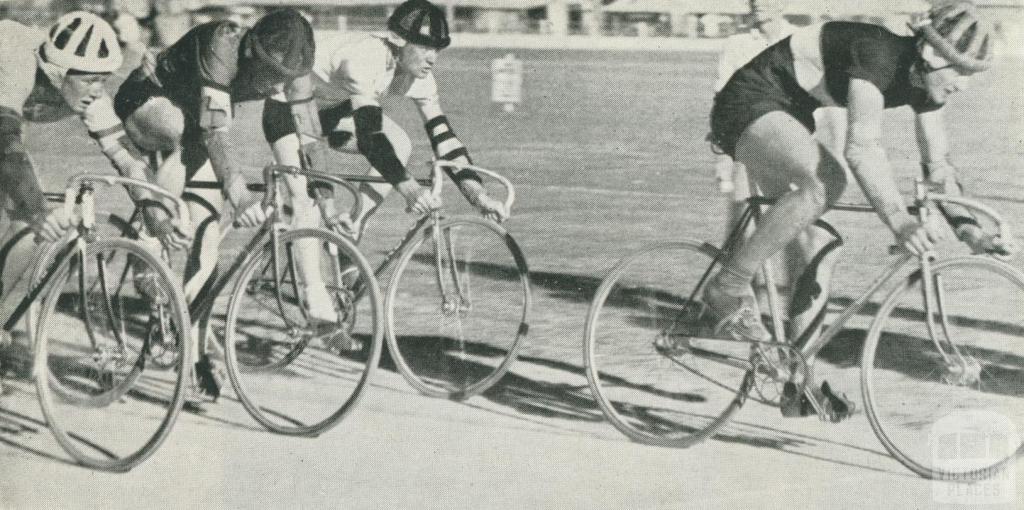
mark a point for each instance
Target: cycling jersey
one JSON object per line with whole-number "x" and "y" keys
{"x": 360, "y": 69}
{"x": 353, "y": 72}
{"x": 200, "y": 74}
{"x": 207, "y": 56}
{"x": 739, "y": 49}
{"x": 813, "y": 68}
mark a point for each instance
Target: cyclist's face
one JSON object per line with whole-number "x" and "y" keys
{"x": 417, "y": 60}
{"x": 81, "y": 89}
{"x": 940, "y": 83}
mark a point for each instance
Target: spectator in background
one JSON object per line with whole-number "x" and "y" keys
{"x": 171, "y": 19}
{"x": 769, "y": 26}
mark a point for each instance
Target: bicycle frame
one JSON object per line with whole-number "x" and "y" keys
{"x": 812, "y": 346}
{"x": 79, "y": 190}
{"x": 435, "y": 183}
{"x": 267, "y": 231}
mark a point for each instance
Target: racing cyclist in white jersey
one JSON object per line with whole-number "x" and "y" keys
{"x": 46, "y": 77}
{"x": 351, "y": 75}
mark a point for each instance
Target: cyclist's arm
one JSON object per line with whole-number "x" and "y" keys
{"x": 215, "y": 118}
{"x": 933, "y": 143}
{"x": 17, "y": 177}
{"x": 447, "y": 146}
{"x": 867, "y": 158}
{"x": 106, "y": 128}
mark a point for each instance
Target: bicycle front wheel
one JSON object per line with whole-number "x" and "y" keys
{"x": 943, "y": 371}
{"x": 304, "y": 331}
{"x": 457, "y": 306}
{"x": 108, "y": 303}
{"x": 656, "y": 378}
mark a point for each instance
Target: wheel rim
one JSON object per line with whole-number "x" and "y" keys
{"x": 656, "y": 395}
{"x": 927, "y": 400}
{"x": 460, "y": 346}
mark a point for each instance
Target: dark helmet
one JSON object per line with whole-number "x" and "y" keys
{"x": 283, "y": 32}
{"x": 420, "y": 22}
{"x": 959, "y": 36}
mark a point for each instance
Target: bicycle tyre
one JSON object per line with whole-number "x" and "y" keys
{"x": 463, "y": 350}
{"x": 653, "y": 395}
{"x": 78, "y": 385}
{"x": 285, "y": 378}
{"x": 931, "y": 380}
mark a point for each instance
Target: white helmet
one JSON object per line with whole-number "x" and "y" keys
{"x": 82, "y": 41}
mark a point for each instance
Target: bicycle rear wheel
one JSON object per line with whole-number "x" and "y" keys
{"x": 654, "y": 375}
{"x": 304, "y": 331}
{"x": 943, "y": 381}
{"x": 105, "y": 403}
{"x": 456, "y": 311}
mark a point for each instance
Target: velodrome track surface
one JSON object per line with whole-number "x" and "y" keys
{"x": 608, "y": 155}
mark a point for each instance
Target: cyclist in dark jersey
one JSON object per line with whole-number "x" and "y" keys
{"x": 181, "y": 106}
{"x": 763, "y": 117}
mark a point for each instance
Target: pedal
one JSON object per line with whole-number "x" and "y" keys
{"x": 841, "y": 407}
{"x": 828, "y": 405}
{"x": 793, "y": 401}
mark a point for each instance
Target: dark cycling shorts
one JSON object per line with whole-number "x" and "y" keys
{"x": 766, "y": 84}
{"x": 136, "y": 91}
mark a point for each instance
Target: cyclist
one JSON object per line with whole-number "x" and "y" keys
{"x": 814, "y": 253}
{"x": 180, "y": 105}
{"x": 351, "y": 74}
{"x": 763, "y": 118}
{"x": 45, "y": 77}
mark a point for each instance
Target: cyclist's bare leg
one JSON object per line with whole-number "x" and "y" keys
{"x": 159, "y": 126}
{"x": 305, "y": 215}
{"x": 831, "y": 133}
{"x": 784, "y": 162}
{"x": 19, "y": 250}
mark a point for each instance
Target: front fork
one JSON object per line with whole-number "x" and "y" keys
{"x": 961, "y": 370}
{"x": 460, "y": 301}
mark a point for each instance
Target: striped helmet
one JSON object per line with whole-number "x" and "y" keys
{"x": 959, "y": 36}
{"x": 82, "y": 41}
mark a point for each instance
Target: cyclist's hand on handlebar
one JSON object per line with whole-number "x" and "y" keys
{"x": 418, "y": 200}
{"x": 171, "y": 235}
{"x": 50, "y": 226}
{"x": 491, "y": 208}
{"x": 919, "y": 238}
{"x": 341, "y": 223}
{"x": 981, "y": 242}
{"x": 249, "y": 210}
{"x": 252, "y": 216}
{"x": 167, "y": 229}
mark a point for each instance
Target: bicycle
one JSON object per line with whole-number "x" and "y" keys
{"x": 932, "y": 360}
{"x": 465, "y": 336}
{"x": 92, "y": 308}
{"x": 270, "y": 320}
